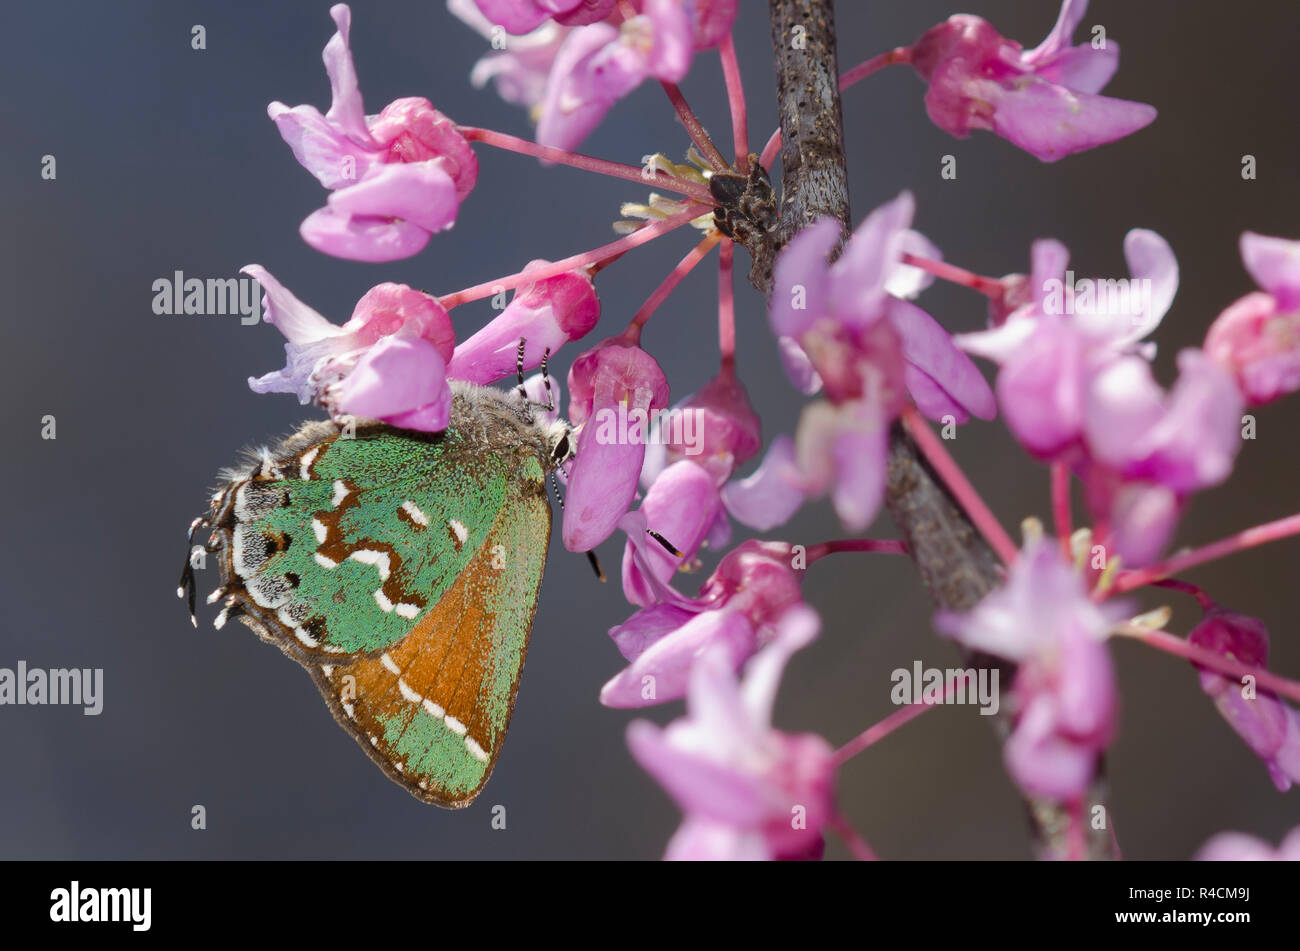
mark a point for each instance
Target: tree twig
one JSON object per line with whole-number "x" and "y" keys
{"x": 956, "y": 566}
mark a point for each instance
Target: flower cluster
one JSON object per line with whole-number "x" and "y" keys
{"x": 1044, "y": 100}
{"x": 1074, "y": 384}
{"x": 395, "y": 179}
{"x": 1076, "y": 388}
{"x": 576, "y": 58}
{"x": 1064, "y": 698}
{"x": 393, "y": 359}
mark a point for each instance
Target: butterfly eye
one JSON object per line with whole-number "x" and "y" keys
{"x": 561, "y": 450}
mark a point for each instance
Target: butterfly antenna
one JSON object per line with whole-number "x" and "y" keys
{"x": 668, "y": 546}
{"x": 186, "y": 588}
{"x": 546, "y": 381}
{"x": 519, "y": 369}
{"x": 595, "y": 564}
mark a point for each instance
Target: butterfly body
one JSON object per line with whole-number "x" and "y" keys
{"x": 401, "y": 570}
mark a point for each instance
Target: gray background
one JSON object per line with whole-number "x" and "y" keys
{"x": 166, "y": 161}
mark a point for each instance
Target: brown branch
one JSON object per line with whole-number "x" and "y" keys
{"x": 957, "y": 566}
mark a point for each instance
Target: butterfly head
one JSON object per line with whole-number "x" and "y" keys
{"x": 559, "y": 435}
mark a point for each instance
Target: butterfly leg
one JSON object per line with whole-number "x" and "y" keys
{"x": 186, "y": 588}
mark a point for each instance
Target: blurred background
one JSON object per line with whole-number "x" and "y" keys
{"x": 166, "y": 161}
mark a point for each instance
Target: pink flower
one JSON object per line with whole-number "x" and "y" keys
{"x": 1257, "y": 338}
{"x": 683, "y": 506}
{"x": 770, "y": 495}
{"x": 518, "y": 70}
{"x": 836, "y": 312}
{"x": 748, "y": 791}
{"x": 394, "y": 179}
{"x": 546, "y": 315}
{"x": 746, "y": 603}
{"x": 715, "y": 428}
{"x": 523, "y": 16}
{"x": 867, "y": 348}
{"x": 1075, "y": 386}
{"x": 1050, "y": 347}
{"x": 614, "y": 388}
{"x": 1239, "y": 847}
{"x": 1064, "y": 695}
{"x": 1154, "y": 449}
{"x": 1043, "y": 100}
{"x": 600, "y": 63}
{"x": 388, "y": 362}
{"x": 1270, "y": 727}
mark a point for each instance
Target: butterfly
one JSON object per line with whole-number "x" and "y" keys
{"x": 401, "y": 570}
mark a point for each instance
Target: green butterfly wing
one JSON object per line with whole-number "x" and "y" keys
{"x": 402, "y": 571}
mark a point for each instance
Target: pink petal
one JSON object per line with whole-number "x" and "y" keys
{"x": 1259, "y": 344}
{"x": 412, "y": 131}
{"x": 298, "y": 322}
{"x": 546, "y": 314}
{"x": 682, "y": 506}
{"x": 430, "y": 418}
{"x": 625, "y": 385}
{"x": 772, "y": 494}
{"x": 419, "y": 192}
{"x": 870, "y": 259}
{"x": 1048, "y": 259}
{"x": 1236, "y": 847}
{"x": 931, "y": 399}
{"x": 1040, "y": 389}
{"x": 1042, "y": 761}
{"x": 1274, "y": 263}
{"x": 1142, "y": 519}
{"x": 320, "y": 147}
{"x": 799, "y": 279}
{"x": 602, "y": 484}
{"x": 1058, "y": 41}
{"x": 390, "y": 308}
{"x": 662, "y": 671}
{"x": 1083, "y": 69}
{"x": 700, "y": 786}
{"x": 1086, "y": 690}
{"x": 707, "y": 840}
{"x": 1051, "y": 122}
{"x": 711, "y": 20}
{"x": 394, "y": 377}
{"x": 861, "y": 463}
{"x": 795, "y": 629}
{"x": 929, "y": 348}
{"x": 346, "y": 108}
{"x": 1122, "y": 405}
{"x": 646, "y": 627}
{"x": 1151, "y": 262}
{"x": 588, "y": 77}
{"x": 362, "y": 239}
{"x": 517, "y": 16}
{"x": 584, "y": 11}
{"x": 794, "y": 359}
{"x": 674, "y": 41}
{"x": 905, "y": 280}
{"x": 844, "y": 450}
{"x": 1201, "y": 435}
